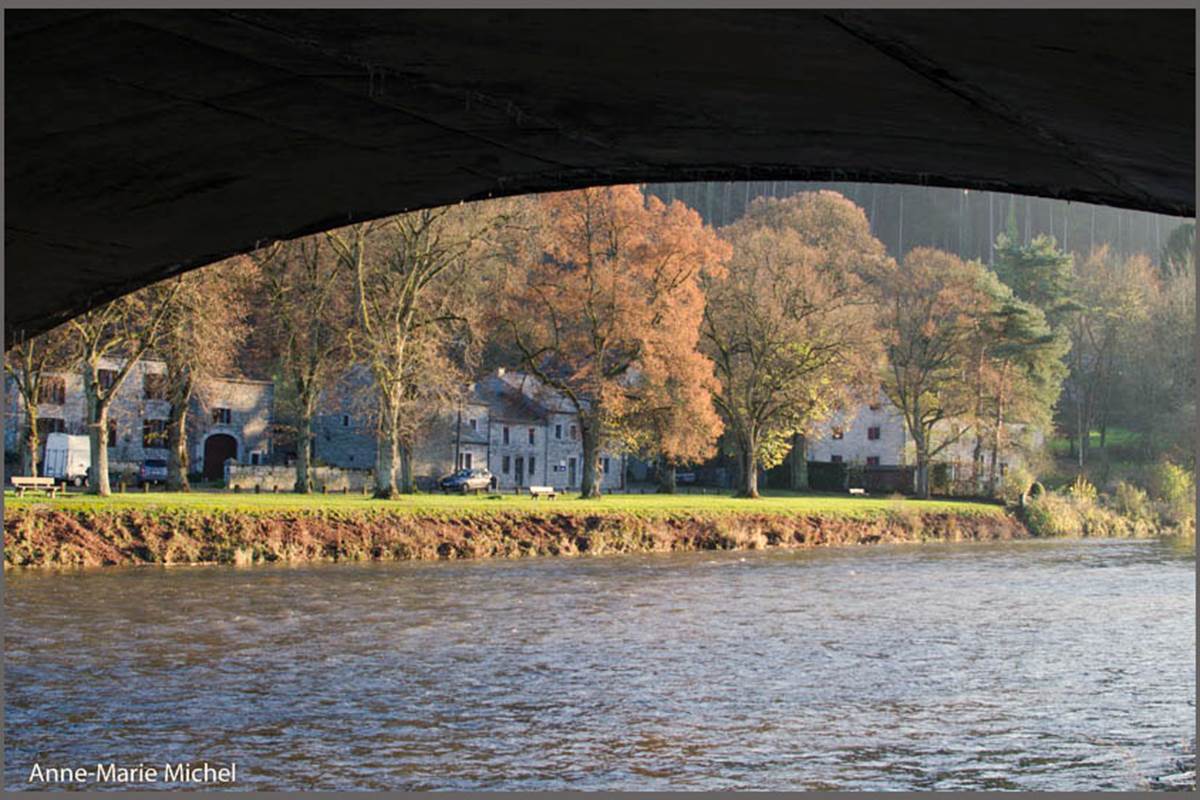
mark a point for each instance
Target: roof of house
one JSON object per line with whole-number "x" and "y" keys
{"x": 507, "y": 401}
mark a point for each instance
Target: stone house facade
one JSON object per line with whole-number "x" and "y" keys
{"x": 228, "y": 417}
{"x": 871, "y": 434}
{"x": 518, "y": 429}
{"x": 874, "y": 434}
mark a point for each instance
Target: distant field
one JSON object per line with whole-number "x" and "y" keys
{"x": 1117, "y": 438}
{"x": 453, "y": 505}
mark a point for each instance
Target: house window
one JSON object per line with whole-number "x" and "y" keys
{"x": 154, "y": 433}
{"x": 52, "y": 390}
{"x": 345, "y": 420}
{"x": 531, "y": 436}
{"x": 876, "y": 406}
{"x": 107, "y": 378}
{"x": 154, "y": 386}
{"x": 466, "y": 460}
{"x": 532, "y": 465}
{"x": 504, "y": 464}
{"x": 873, "y": 433}
{"x": 835, "y": 459}
{"x": 605, "y": 468}
{"x": 504, "y": 436}
{"x": 255, "y": 458}
{"x": 838, "y": 433}
{"x": 574, "y": 433}
{"x": 474, "y": 424}
{"x": 558, "y": 431}
{"x": 47, "y": 425}
{"x": 221, "y": 416}
{"x": 872, "y": 461}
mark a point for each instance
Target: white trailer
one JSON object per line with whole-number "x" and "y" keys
{"x": 68, "y": 458}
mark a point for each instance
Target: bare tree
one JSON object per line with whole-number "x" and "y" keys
{"x": 29, "y": 363}
{"x": 118, "y": 333}
{"x": 201, "y": 332}
{"x": 408, "y": 273}
{"x": 309, "y": 302}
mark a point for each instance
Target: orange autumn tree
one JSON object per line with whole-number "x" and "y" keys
{"x": 608, "y": 314}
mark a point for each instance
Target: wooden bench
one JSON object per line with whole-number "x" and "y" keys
{"x": 542, "y": 491}
{"x": 856, "y": 490}
{"x": 21, "y": 484}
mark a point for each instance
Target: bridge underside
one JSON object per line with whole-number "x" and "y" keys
{"x": 140, "y": 144}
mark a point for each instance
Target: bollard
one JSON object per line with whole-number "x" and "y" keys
{"x": 324, "y": 489}
{"x": 146, "y": 488}
{"x": 122, "y": 487}
{"x": 237, "y": 488}
{"x": 346, "y": 489}
{"x": 258, "y": 488}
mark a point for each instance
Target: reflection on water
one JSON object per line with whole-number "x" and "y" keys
{"x": 1033, "y": 665}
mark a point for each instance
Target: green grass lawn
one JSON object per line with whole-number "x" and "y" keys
{"x": 451, "y": 505}
{"x": 1116, "y": 438}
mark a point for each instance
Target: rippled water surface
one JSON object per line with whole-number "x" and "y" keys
{"x": 1039, "y": 665}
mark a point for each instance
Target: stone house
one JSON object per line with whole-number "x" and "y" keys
{"x": 509, "y": 423}
{"x": 870, "y": 434}
{"x": 874, "y": 435}
{"x": 228, "y": 417}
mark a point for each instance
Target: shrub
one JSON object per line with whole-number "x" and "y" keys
{"x": 1051, "y": 515}
{"x": 1014, "y": 484}
{"x": 1134, "y": 504}
{"x": 1078, "y": 514}
{"x": 1175, "y": 489}
{"x": 1082, "y": 489}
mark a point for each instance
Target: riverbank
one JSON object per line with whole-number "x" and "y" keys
{"x": 81, "y": 530}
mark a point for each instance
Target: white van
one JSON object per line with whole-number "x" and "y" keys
{"x": 68, "y": 458}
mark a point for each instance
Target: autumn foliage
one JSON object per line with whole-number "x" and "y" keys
{"x": 608, "y": 312}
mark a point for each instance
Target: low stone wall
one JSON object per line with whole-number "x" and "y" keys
{"x": 245, "y": 477}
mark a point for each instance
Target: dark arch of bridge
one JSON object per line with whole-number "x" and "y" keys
{"x": 141, "y": 144}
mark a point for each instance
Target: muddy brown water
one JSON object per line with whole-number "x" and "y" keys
{"x": 1030, "y": 665}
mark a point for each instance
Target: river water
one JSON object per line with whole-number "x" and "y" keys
{"x": 1032, "y": 665}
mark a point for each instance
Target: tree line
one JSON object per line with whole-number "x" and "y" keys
{"x": 667, "y": 336}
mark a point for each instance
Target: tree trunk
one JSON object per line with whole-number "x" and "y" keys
{"x": 177, "y": 452}
{"x": 590, "y": 484}
{"x": 922, "y": 449}
{"x": 304, "y": 437}
{"x": 406, "y": 473}
{"x": 666, "y": 476}
{"x": 98, "y": 442}
{"x": 31, "y": 443}
{"x": 799, "y": 463}
{"x": 996, "y": 434}
{"x": 387, "y": 453}
{"x": 749, "y": 469}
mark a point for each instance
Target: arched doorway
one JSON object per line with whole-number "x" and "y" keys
{"x": 218, "y": 448}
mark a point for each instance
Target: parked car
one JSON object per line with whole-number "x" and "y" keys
{"x": 154, "y": 470}
{"x": 467, "y": 480}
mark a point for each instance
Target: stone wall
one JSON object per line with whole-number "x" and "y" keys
{"x": 245, "y": 477}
